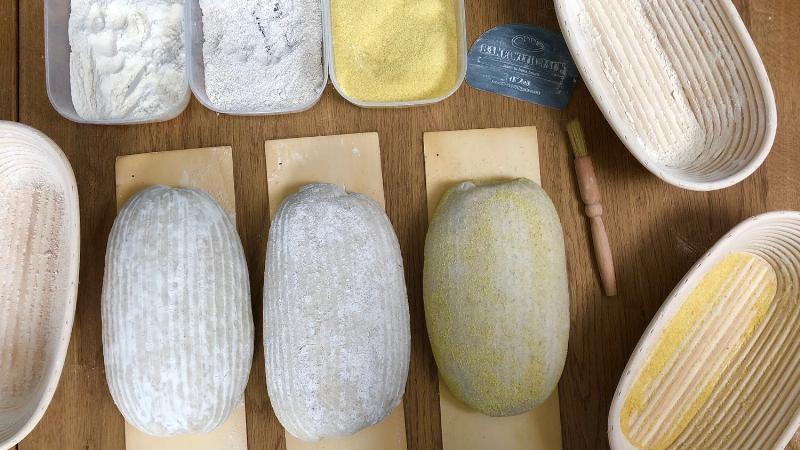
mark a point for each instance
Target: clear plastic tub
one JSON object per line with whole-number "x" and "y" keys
{"x": 56, "y": 62}
{"x": 462, "y": 61}
{"x": 196, "y": 68}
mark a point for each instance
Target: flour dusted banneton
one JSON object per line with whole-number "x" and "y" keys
{"x": 496, "y": 295}
{"x": 39, "y": 246}
{"x": 178, "y": 330}
{"x": 336, "y": 322}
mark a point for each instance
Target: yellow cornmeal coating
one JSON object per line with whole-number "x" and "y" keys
{"x": 695, "y": 308}
{"x": 496, "y": 296}
{"x": 395, "y": 50}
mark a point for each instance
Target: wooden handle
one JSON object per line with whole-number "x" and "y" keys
{"x": 590, "y": 192}
{"x": 605, "y": 260}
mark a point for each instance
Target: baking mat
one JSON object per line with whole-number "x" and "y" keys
{"x": 352, "y": 161}
{"x": 487, "y": 155}
{"x": 209, "y": 169}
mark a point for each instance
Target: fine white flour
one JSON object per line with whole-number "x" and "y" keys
{"x": 127, "y": 59}
{"x": 262, "y": 55}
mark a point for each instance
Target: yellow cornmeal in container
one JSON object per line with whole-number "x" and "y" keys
{"x": 395, "y": 50}
{"x": 711, "y": 328}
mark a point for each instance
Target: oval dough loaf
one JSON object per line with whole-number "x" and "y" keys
{"x": 336, "y": 323}
{"x": 496, "y": 295}
{"x": 178, "y": 329}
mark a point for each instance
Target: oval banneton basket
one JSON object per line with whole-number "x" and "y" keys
{"x": 681, "y": 83}
{"x": 753, "y": 397}
{"x": 39, "y": 253}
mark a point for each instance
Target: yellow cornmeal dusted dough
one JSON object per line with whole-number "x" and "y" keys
{"x": 496, "y": 295}
{"x": 395, "y": 50}
{"x": 740, "y": 279}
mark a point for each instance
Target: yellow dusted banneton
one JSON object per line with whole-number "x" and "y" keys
{"x": 496, "y": 295}
{"x": 711, "y": 327}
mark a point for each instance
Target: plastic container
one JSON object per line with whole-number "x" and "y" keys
{"x": 196, "y": 68}
{"x": 756, "y": 401}
{"x": 56, "y": 61}
{"x": 38, "y": 274}
{"x": 462, "y": 61}
{"x": 680, "y": 79}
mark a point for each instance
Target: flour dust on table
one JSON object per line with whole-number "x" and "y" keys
{"x": 262, "y": 54}
{"x": 127, "y": 58}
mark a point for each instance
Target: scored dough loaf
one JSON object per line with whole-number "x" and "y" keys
{"x": 496, "y": 295}
{"x": 178, "y": 329}
{"x": 336, "y": 321}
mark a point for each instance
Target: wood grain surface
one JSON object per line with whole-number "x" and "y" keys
{"x": 657, "y": 231}
{"x": 8, "y": 59}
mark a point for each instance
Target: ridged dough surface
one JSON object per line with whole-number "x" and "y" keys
{"x": 178, "y": 329}
{"x": 336, "y": 321}
{"x": 38, "y": 274}
{"x": 496, "y": 295}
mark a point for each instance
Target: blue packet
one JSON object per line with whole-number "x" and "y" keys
{"x": 524, "y": 62}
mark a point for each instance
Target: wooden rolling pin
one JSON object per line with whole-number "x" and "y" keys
{"x": 590, "y": 192}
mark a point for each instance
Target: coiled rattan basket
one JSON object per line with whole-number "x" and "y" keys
{"x": 754, "y": 401}
{"x": 681, "y": 83}
{"x": 39, "y": 247}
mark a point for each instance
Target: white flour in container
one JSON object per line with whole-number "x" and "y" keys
{"x": 127, "y": 59}
{"x": 262, "y": 55}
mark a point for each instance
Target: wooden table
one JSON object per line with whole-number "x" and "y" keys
{"x": 657, "y": 231}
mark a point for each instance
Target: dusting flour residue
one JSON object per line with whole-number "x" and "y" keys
{"x": 667, "y": 96}
{"x": 35, "y": 271}
{"x": 185, "y": 178}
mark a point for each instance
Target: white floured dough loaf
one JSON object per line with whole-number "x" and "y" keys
{"x": 336, "y": 322}
{"x": 178, "y": 329}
